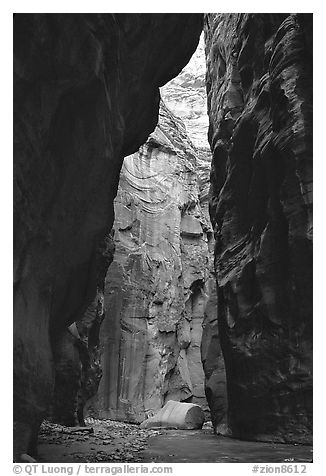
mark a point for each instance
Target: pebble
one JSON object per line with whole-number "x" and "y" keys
{"x": 123, "y": 441}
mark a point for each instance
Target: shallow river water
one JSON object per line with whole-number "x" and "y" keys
{"x": 118, "y": 442}
{"x": 204, "y": 447}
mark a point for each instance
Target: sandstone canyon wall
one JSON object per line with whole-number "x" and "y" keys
{"x": 145, "y": 366}
{"x": 157, "y": 286}
{"x": 259, "y": 87}
{"x": 76, "y": 352}
{"x": 85, "y": 95}
{"x": 186, "y": 96}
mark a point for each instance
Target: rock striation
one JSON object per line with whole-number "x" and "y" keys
{"x": 185, "y": 95}
{"x": 156, "y": 288}
{"x": 259, "y": 87}
{"x": 86, "y": 94}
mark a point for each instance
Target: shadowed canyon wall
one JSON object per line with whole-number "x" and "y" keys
{"x": 76, "y": 352}
{"x": 85, "y": 95}
{"x": 162, "y": 216}
{"x": 157, "y": 286}
{"x": 259, "y": 87}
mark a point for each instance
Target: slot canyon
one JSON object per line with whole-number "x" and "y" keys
{"x": 162, "y": 236}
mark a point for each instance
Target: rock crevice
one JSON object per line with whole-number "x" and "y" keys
{"x": 156, "y": 288}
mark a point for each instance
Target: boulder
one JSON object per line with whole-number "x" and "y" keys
{"x": 179, "y": 415}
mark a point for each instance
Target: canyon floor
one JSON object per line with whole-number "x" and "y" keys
{"x": 119, "y": 442}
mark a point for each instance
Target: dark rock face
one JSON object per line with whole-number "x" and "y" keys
{"x": 259, "y": 84}
{"x": 76, "y": 352}
{"x": 158, "y": 284}
{"x": 85, "y": 95}
{"x": 213, "y": 361}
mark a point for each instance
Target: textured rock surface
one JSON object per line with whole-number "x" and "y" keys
{"x": 259, "y": 83}
{"x": 76, "y": 352}
{"x": 213, "y": 361}
{"x": 179, "y": 415}
{"x": 186, "y": 96}
{"x": 85, "y": 95}
{"x": 156, "y": 288}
